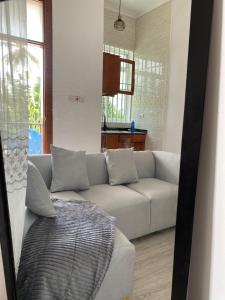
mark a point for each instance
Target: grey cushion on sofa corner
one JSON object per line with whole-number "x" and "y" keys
{"x": 69, "y": 170}
{"x": 37, "y": 196}
{"x": 121, "y": 166}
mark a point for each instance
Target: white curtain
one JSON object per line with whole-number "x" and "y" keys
{"x": 13, "y": 111}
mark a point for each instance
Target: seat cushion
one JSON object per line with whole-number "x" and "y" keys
{"x": 67, "y": 196}
{"x": 118, "y": 281}
{"x": 163, "y": 197}
{"x": 131, "y": 209}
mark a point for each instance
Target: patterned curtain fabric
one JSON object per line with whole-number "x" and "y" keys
{"x": 13, "y": 111}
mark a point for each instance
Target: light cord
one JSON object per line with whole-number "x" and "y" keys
{"x": 120, "y": 8}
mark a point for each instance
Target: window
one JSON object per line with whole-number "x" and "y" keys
{"x": 39, "y": 75}
{"x": 119, "y": 107}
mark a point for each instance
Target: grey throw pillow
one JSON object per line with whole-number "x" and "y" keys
{"x": 121, "y": 166}
{"x": 69, "y": 170}
{"x": 37, "y": 196}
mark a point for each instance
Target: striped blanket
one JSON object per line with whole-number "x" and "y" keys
{"x": 66, "y": 257}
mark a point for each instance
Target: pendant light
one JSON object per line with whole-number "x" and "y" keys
{"x": 119, "y": 24}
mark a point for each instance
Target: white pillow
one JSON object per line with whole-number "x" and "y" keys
{"x": 37, "y": 196}
{"x": 121, "y": 166}
{"x": 69, "y": 170}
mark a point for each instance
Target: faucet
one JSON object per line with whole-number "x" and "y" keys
{"x": 104, "y": 123}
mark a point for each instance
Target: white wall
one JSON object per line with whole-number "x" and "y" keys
{"x": 2, "y": 280}
{"x": 121, "y": 39}
{"x": 180, "y": 25}
{"x": 208, "y": 252}
{"x": 77, "y": 71}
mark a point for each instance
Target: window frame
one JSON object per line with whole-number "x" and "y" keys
{"x": 126, "y": 56}
{"x": 47, "y": 74}
{"x": 132, "y": 63}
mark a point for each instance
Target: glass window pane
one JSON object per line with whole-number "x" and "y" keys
{"x": 35, "y": 80}
{"x": 35, "y": 20}
{"x": 118, "y": 108}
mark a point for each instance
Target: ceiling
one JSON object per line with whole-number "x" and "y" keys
{"x": 134, "y": 8}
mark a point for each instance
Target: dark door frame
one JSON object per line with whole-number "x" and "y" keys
{"x": 201, "y": 18}
{"x": 199, "y": 45}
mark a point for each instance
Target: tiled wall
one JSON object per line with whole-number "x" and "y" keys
{"x": 152, "y": 53}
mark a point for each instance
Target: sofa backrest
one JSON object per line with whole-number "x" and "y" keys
{"x": 145, "y": 164}
{"x": 167, "y": 166}
{"x": 44, "y": 164}
{"x": 96, "y": 166}
{"x": 97, "y": 169}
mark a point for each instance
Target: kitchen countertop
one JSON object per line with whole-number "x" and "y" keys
{"x": 123, "y": 131}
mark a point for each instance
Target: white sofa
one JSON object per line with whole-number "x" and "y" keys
{"x": 140, "y": 208}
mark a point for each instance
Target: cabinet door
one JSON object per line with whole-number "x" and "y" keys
{"x": 138, "y": 142}
{"x": 103, "y": 141}
{"x": 111, "y": 74}
{"x": 125, "y": 141}
{"x": 111, "y": 141}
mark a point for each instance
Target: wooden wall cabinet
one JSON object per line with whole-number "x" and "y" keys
{"x": 112, "y": 82}
{"x": 118, "y": 140}
{"x": 111, "y": 74}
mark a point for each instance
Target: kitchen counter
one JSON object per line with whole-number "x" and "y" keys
{"x": 123, "y": 131}
{"x": 114, "y": 138}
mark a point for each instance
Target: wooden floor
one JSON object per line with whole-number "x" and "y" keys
{"x": 153, "y": 266}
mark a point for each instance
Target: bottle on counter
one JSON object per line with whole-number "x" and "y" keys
{"x": 132, "y": 127}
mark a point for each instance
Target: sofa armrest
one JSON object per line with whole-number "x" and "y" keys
{"x": 118, "y": 281}
{"x": 167, "y": 166}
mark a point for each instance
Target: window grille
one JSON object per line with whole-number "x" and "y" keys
{"x": 119, "y": 108}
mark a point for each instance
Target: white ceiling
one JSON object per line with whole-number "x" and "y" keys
{"x": 134, "y": 8}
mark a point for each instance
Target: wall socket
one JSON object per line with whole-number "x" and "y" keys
{"x": 76, "y": 99}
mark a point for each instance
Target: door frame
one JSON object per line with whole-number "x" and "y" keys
{"x": 198, "y": 57}
{"x": 200, "y": 29}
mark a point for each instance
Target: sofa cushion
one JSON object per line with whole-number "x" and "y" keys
{"x": 145, "y": 164}
{"x": 131, "y": 209}
{"x": 69, "y": 170}
{"x": 44, "y": 164}
{"x": 163, "y": 197}
{"x": 121, "y": 166}
{"x": 37, "y": 195}
{"x": 29, "y": 219}
{"x": 67, "y": 196}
